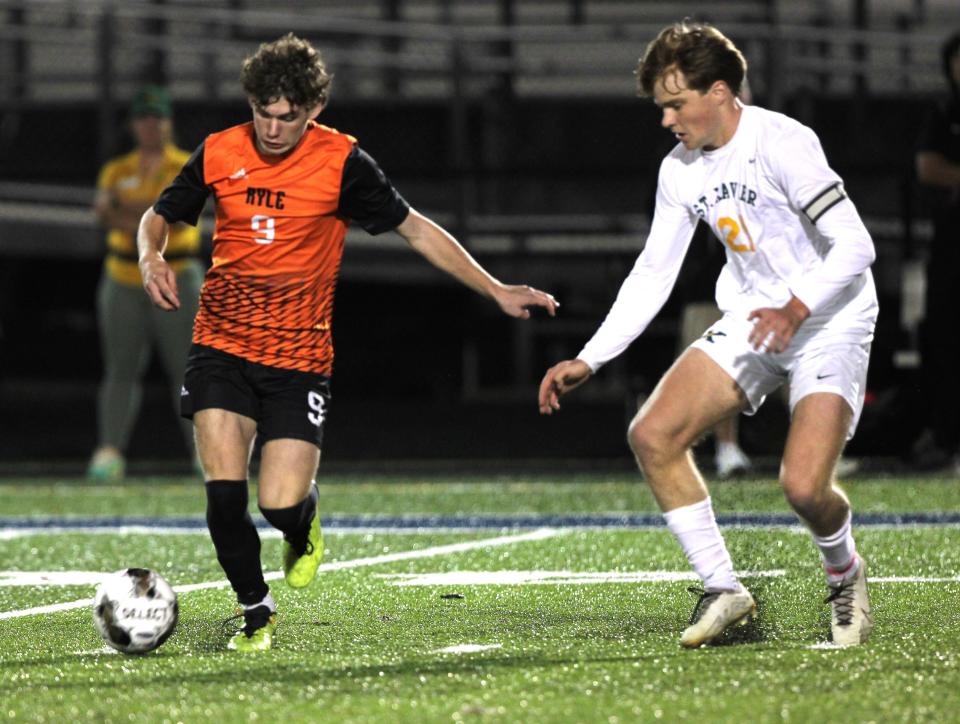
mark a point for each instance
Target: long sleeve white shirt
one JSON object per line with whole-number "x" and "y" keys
{"x": 787, "y": 225}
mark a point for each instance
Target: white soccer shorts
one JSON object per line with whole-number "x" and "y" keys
{"x": 809, "y": 364}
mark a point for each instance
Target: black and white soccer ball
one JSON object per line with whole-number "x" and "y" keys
{"x": 135, "y": 610}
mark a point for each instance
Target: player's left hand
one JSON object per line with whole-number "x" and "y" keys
{"x": 514, "y": 299}
{"x": 773, "y": 328}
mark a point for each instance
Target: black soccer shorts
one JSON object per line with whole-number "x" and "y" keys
{"x": 284, "y": 403}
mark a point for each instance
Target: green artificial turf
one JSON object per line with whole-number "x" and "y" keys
{"x": 357, "y": 647}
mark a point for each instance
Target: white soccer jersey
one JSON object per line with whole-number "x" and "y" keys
{"x": 785, "y": 221}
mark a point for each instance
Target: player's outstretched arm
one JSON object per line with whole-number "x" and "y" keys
{"x": 559, "y": 380}
{"x": 446, "y": 253}
{"x": 159, "y": 280}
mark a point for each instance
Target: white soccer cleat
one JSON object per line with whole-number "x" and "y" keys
{"x": 846, "y": 467}
{"x": 851, "y": 620}
{"x": 731, "y": 460}
{"x": 106, "y": 466}
{"x": 715, "y": 612}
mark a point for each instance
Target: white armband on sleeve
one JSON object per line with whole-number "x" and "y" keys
{"x": 825, "y": 201}
{"x": 851, "y": 249}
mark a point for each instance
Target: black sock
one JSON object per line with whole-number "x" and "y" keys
{"x": 294, "y": 522}
{"x": 235, "y": 538}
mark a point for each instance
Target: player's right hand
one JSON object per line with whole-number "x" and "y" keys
{"x": 559, "y": 380}
{"x": 160, "y": 283}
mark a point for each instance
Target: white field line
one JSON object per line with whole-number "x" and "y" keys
{"x": 11, "y": 533}
{"x": 463, "y": 578}
{"x": 52, "y": 578}
{"x": 467, "y": 648}
{"x": 541, "y": 534}
{"x": 373, "y": 529}
{"x": 551, "y": 578}
{"x": 912, "y": 579}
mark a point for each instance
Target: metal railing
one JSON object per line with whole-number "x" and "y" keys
{"x": 95, "y": 52}
{"x": 95, "y": 49}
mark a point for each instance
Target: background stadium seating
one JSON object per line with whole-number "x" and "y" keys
{"x": 513, "y": 123}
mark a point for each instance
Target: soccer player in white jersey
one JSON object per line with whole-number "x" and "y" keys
{"x": 799, "y": 306}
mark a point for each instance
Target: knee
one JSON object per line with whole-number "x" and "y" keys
{"x": 651, "y": 443}
{"x": 806, "y": 495}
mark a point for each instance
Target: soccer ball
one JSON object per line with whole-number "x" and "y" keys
{"x": 135, "y": 610}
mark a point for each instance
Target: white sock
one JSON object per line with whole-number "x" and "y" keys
{"x": 267, "y": 601}
{"x": 725, "y": 446}
{"x": 695, "y": 528}
{"x": 839, "y": 553}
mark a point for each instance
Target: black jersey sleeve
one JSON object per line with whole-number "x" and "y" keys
{"x": 184, "y": 198}
{"x": 368, "y": 197}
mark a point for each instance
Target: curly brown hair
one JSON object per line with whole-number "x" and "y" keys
{"x": 701, "y": 52}
{"x": 289, "y": 67}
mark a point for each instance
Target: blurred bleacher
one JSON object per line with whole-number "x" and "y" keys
{"x": 513, "y": 122}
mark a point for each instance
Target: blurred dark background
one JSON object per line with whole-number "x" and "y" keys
{"x": 514, "y": 124}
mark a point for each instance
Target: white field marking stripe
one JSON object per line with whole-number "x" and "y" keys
{"x": 535, "y": 535}
{"x": 93, "y": 578}
{"x": 912, "y": 579}
{"x": 52, "y": 608}
{"x": 550, "y": 578}
{"x": 10, "y": 533}
{"x": 53, "y": 578}
{"x": 467, "y": 648}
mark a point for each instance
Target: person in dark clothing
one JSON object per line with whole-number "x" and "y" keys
{"x": 938, "y": 171}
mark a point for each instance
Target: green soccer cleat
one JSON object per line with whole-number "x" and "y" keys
{"x": 260, "y": 623}
{"x": 300, "y": 567}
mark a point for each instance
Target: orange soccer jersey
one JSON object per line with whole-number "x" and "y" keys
{"x": 278, "y": 243}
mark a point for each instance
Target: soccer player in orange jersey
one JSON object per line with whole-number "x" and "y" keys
{"x": 286, "y": 189}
